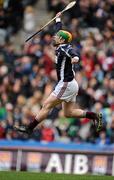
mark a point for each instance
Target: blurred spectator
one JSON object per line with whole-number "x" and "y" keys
{"x": 29, "y": 19}
{"x": 47, "y": 132}
{"x": 14, "y": 13}
{"x": 102, "y": 139}
{"x": 111, "y": 129}
{"x": 55, "y": 5}
{"x": 2, "y": 130}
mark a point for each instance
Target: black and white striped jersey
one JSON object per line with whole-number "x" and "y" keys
{"x": 64, "y": 68}
{"x": 64, "y": 53}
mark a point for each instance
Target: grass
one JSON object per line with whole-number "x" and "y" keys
{"x": 12, "y": 175}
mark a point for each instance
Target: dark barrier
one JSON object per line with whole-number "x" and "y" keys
{"x": 60, "y": 161}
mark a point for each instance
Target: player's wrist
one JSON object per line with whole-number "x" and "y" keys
{"x": 58, "y": 19}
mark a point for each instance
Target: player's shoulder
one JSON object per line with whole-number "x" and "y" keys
{"x": 69, "y": 47}
{"x": 66, "y": 46}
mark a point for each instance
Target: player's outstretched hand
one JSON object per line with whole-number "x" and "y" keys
{"x": 58, "y": 14}
{"x": 75, "y": 60}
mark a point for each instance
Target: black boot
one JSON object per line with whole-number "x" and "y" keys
{"x": 23, "y": 129}
{"x": 98, "y": 122}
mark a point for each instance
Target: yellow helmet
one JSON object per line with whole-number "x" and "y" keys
{"x": 67, "y": 36}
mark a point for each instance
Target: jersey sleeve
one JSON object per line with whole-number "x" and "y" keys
{"x": 58, "y": 25}
{"x": 72, "y": 53}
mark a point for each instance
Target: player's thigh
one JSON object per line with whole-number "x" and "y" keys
{"x": 68, "y": 107}
{"x": 52, "y": 101}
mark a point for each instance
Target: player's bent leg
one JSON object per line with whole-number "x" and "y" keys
{"x": 71, "y": 111}
{"x": 50, "y": 103}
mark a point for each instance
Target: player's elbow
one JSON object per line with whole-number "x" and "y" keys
{"x": 68, "y": 114}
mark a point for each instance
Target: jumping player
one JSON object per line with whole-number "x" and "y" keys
{"x": 67, "y": 88}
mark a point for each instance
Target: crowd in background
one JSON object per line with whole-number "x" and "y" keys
{"x": 11, "y": 17}
{"x": 27, "y": 78}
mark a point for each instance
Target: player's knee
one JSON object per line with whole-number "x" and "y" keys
{"x": 68, "y": 114}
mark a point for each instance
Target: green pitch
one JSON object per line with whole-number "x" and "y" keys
{"x": 42, "y": 176}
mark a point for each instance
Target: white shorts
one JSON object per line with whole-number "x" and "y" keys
{"x": 66, "y": 91}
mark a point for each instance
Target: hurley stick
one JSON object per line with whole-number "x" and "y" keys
{"x": 70, "y": 5}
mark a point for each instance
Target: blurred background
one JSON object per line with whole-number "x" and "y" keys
{"x": 27, "y": 71}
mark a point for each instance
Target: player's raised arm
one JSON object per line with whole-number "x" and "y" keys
{"x": 58, "y": 25}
